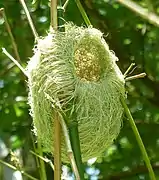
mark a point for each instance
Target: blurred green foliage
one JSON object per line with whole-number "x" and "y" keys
{"x": 132, "y": 39}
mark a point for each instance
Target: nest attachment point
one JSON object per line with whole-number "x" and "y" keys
{"x": 75, "y": 73}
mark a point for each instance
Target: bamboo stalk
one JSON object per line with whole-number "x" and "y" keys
{"x": 138, "y": 139}
{"x": 57, "y": 126}
{"x": 75, "y": 143}
{"x": 57, "y": 147}
{"x": 41, "y": 162}
{"x": 58, "y": 119}
{"x": 83, "y": 13}
{"x": 53, "y": 14}
{"x": 137, "y": 9}
{"x": 36, "y": 158}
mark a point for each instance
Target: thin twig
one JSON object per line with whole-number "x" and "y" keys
{"x": 46, "y": 160}
{"x": 139, "y": 140}
{"x": 144, "y": 13}
{"x": 15, "y": 61}
{"x": 65, "y": 4}
{"x": 132, "y": 70}
{"x": 10, "y": 34}
{"x": 142, "y": 75}
{"x": 29, "y": 19}
{"x": 129, "y": 68}
{"x": 14, "y": 168}
{"x": 53, "y": 12}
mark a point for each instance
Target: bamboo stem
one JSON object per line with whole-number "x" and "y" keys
{"x": 139, "y": 140}
{"x": 63, "y": 125}
{"x": 144, "y": 13}
{"x": 57, "y": 126}
{"x": 57, "y": 147}
{"x": 83, "y": 13}
{"x": 36, "y": 159}
{"x": 41, "y": 162}
{"x": 10, "y": 34}
{"x": 75, "y": 143}
{"x": 53, "y": 14}
{"x": 29, "y": 19}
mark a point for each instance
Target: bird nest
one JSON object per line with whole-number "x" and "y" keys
{"x": 75, "y": 74}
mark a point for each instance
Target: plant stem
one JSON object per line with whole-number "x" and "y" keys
{"x": 36, "y": 159}
{"x": 144, "y": 13}
{"x": 129, "y": 68}
{"x": 76, "y": 150}
{"x": 42, "y": 165}
{"x": 53, "y": 14}
{"x": 65, "y": 5}
{"x": 69, "y": 148}
{"x": 139, "y": 140}
{"x": 75, "y": 142}
{"x": 29, "y": 19}
{"x": 57, "y": 162}
{"x": 10, "y": 34}
{"x": 73, "y": 126}
{"x": 141, "y": 75}
{"x": 44, "y": 159}
{"x": 57, "y": 126}
{"x": 83, "y": 13}
{"x": 15, "y": 61}
{"x": 14, "y": 168}
{"x": 57, "y": 147}
{"x": 60, "y": 17}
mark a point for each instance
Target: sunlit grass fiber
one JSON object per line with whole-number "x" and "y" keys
{"x": 75, "y": 73}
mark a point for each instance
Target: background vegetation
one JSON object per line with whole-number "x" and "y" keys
{"x": 133, "y": 40}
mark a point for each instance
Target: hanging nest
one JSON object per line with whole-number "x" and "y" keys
{"x": 75, "y": 73}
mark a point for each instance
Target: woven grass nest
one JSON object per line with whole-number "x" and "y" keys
{"x": 75, "y": 73}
